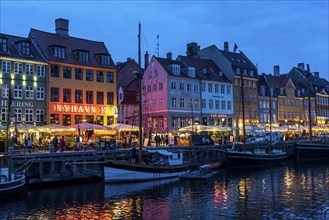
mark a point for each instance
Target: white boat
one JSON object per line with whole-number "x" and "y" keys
{"x": 11, "y": 184}
{"x": 160, "y": 164}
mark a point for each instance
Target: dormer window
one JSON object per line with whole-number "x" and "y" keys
{"x": 237, "y": 71}
{"x": 271, "y": 92}
{"x": 220, "y": 74}
{"x": 59, "y": 52}
{"x": 281, "y": 91}
{"x": 251, "y": 72}
{"x": 298, "y": 92}
{"x": 262, "y": 90}
{"x": 104, "y": 59}
{"x": 82, "y": 55}
{"x": 245, "y": 72}
{"x": 176, "y": 69}
{"x": 3, "y": 44}
{"x": 191, "y": 71}
{"x": 25, "y": 48}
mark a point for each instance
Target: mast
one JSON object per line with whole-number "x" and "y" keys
{"x": 140, "y": 76}
{"x": 308, "y": 75}
{"x": 243, "y": 110}
{"x": 270, "y": 106}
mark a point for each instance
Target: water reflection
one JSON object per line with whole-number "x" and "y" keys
{"x": 290, "y": 191}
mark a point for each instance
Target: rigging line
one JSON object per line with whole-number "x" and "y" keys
{"x": 145, "y": 40}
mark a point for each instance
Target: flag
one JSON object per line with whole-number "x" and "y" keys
{"x": 235, "y": 47}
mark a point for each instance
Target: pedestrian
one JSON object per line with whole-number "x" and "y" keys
{"x": 62, "y": 143}
{"x": 133, "y": 154}
{"x": 55, "y": 143}
{"x": 29, "y": 144}
{"x": 225, "y": 138}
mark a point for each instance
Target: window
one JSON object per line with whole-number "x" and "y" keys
{"x": 18, "y": 91}
{"x": 181, "y": 102}
{"x": 89, "y": 75}
{"x": 99, "y": 76}
{"x": 223, "y": 105}
{"x": 67, "y": 72}
{"x": 54, "y": 118}
{"x": 78, "y": 74}
{"x": 189, "y": 103}
{"x": 18, "y": 114}
{"x": 173, "y": 102}
{"x": 216, "y": 88}
{"x": 189, "y": 87}
{"x": 29, "y": 93}
{"x": 191, "y": 71}
{"x": 41, "y": 71}
{"x": 173, "y": 85}
{"x": 54, "y": 71}
{"x": 67, "y": 120}
{"x": 100, "y": 98}
{"x": 5, "y": 91}
{"x": 89, "y": 97}
{"x": 160, "y": 86}
{"x": 209, "y": 87}
{"x": 18, "y": 68}
{"x": 59, "y": 52}
{"x": 6, "y": 67}
{"x": 229, "y": 105}
{"x": 29, "y": 69}
{"x": 29, "y": 115}
{"x": 25, "y": 48}
{"x": 67, "y": 95}
{"x": 176, "y": 69}
{"x": 222, "y": 89}
{"x": 211, "y": 104}
{"x": 196, "y": 103}
{"x": 217, "y": 104}
{"x": 40, "y": 93}
{"x": 83, "y": 56}
{"x": 203, "y": 103}
{"x": 154, "y": 87}
{"x": 4, "y": 114}
{"x": 110, "y": 100}
{"x": 54, "y": 94}
{"x": 203, "y": 87}
{"x": 181, "y": 86}
{"x": 228, "y": 89}
{"x": 78, "y": 96}
{"x": 3, "y": 44}
{"x": 105, "y": 59}
{"x": 40, "y": 115}
{"x": 109, "y": 77}
{"x": 196, "y": 88}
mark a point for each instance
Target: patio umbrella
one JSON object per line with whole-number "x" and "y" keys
{"x": 88, "y": 126}
{"x": 22, "y": 126}
{"x": 54, "y": 128}
{"x": 118, "y": 127}
{"x": 198, "y": 128}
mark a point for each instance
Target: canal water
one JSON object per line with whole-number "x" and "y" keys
{"x": 288, "y": 191}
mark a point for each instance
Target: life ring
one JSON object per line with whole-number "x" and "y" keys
{"x": 4, "y": 177}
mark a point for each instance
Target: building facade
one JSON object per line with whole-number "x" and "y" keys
{"x": 23, "y": 74}
{"x": 82, "y": 77}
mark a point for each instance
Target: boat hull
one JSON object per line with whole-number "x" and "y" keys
{"x": 118, "y": 171}
{"x": 14, "y": 186}
{"x": 237, "y": 159}
{"x": 312, "y": 151}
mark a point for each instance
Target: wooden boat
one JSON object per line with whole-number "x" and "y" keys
{"x": 312, "y": 151}
{"x": 161, "y": 164}
{"x": 204, "y": 172}
{"x": 14, "y": 184}
{"x": 256, "y": 158}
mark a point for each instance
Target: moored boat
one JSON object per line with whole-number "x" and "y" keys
{"x": 158, "y": 164}
{"x": 256, "y": 158}
{"x": 12, "y": 184}
{"x": 312, "y": 151}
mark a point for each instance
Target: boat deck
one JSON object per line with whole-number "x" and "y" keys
{"x": 197, "y": 175}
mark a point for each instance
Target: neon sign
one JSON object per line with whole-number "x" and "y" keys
{"x": 84, "y": 109}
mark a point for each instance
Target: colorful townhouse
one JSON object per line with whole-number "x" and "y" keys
{"x": 23, "y": 74}
{"x": 319, "y": 90}
{"x": 216, "y": 90}
{"x": 243, "y": 73}
{"x": 170, "y": 95}
{"x": 128, "y": 86}
{"x": 82, "y": 77}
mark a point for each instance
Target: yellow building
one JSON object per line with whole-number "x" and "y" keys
{"x": 82, "y": 77}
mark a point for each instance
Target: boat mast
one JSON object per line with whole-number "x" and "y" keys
{"x": 308, "y": 75}
{"x": 270, "y": 106}
{"x": 243, "y": 110}
{"x": 140, "y": 76}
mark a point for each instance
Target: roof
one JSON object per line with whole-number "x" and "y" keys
{"x": 129, "y": 97}
{"x": 126, "y": 73}
{"x": 14, "y": 51}
{"x": 45, "y": 40}
{"x": 205, "y": 69}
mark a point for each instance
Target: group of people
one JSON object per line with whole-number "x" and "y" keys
{"x": 58, "y": 143}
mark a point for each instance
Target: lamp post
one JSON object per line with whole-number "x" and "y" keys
{"x": 286, "y": 121}
{"x": 223, "y": 120}
{"x": 308, "y": 76}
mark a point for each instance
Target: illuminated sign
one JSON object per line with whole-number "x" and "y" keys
{"x": 17, "y": 104}
{"x": 87, "y": 109}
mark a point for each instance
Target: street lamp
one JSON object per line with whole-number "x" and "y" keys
{"x": 223, "y": 119}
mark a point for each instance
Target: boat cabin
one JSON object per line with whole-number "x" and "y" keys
{"x": 167, "y": 157}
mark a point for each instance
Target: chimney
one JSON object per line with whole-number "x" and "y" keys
{"x": 128, "y": 59}
{"x": 301, "y": 66}
{"x": 276, "y": 70}
{"x": 146, "y": 57}
{"x": 169, "y": 56}
{"x": 226, "y": 46}
{"x": 192, "y": 50}
{"x": 62, "y": 27}
{"x": 316, "y": 74}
